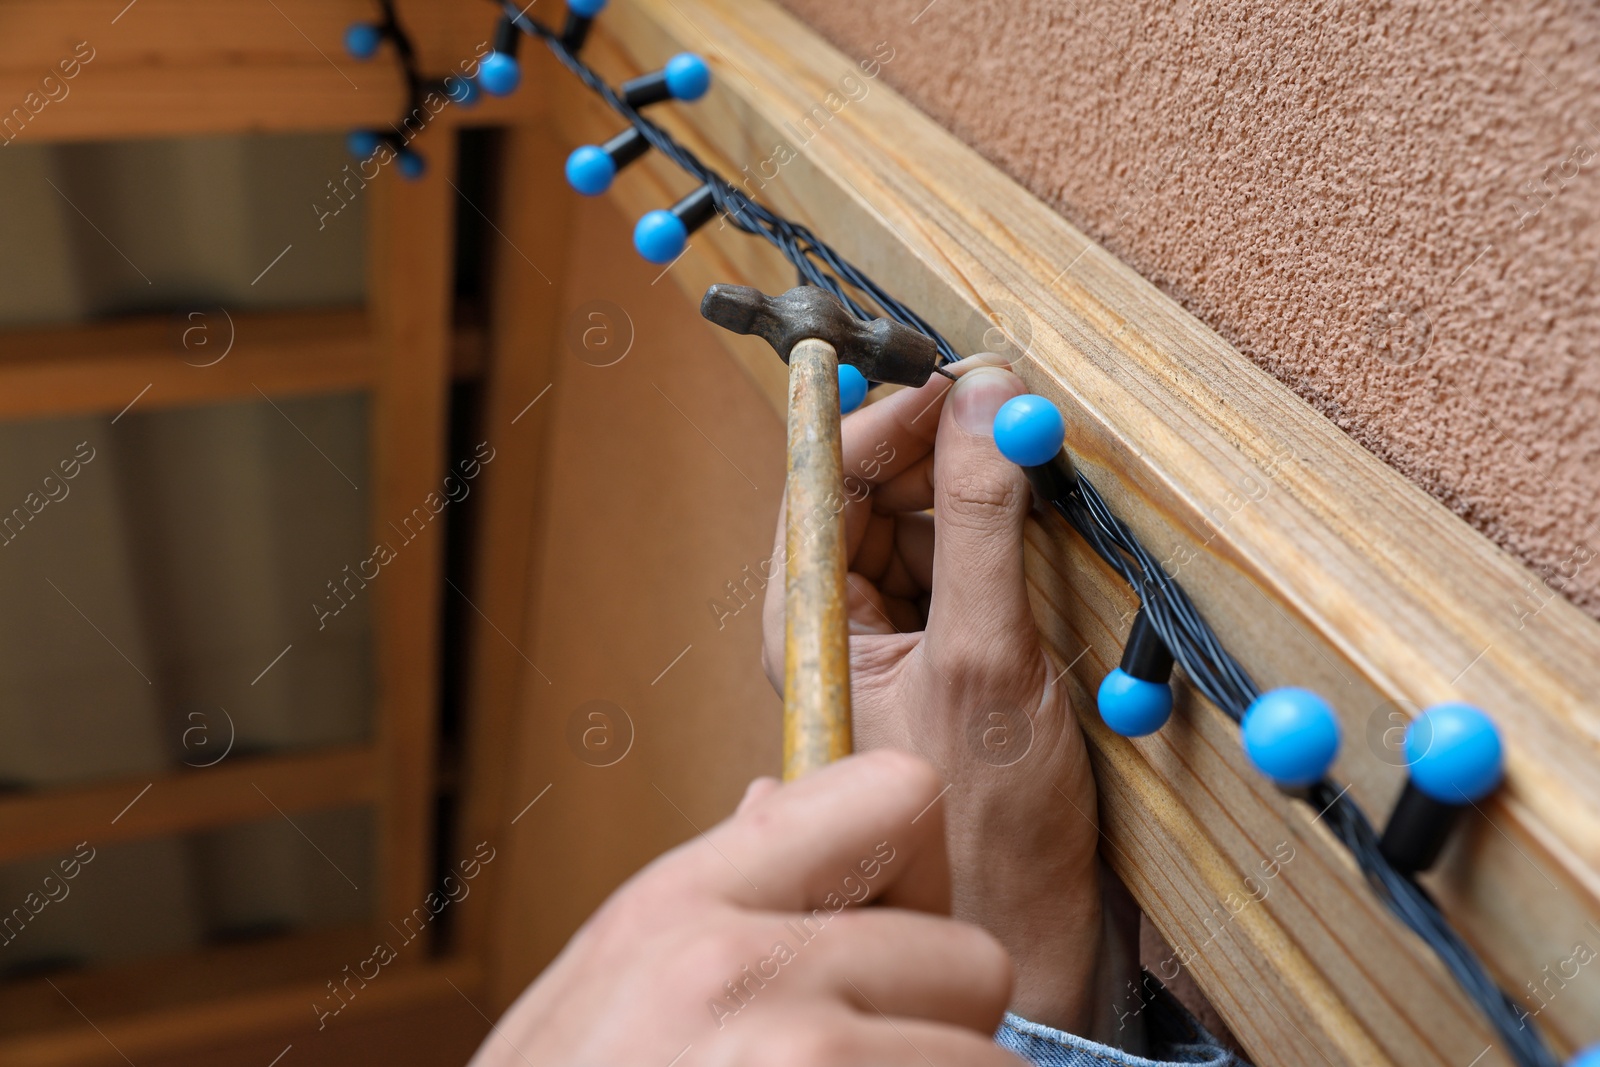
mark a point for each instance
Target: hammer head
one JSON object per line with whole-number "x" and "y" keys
{"x": 883, "y": 350}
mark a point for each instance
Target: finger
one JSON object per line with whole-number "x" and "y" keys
{"x": 910, "y": 490}
{"x": 892, "y": 439}
{"x": 913, "y": 551}
{"x": 831, "y": 1038}
{"x": 870, "y": 818}
{"x": 979, "y": 608}
{"x": 756, "y": 790}
{"x": 907, "y": 964}
{"x": 879, "y": 442}
{"x": 874, "y": 555}
{"x": 772, "y": 604}
{"x": 865, "y": 608}
{"x": 884, "y": 438}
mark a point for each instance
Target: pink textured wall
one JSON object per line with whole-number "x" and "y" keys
{"x": 1390, "y": 207}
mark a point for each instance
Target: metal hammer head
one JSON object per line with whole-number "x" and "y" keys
{"x": 883, "y": 350}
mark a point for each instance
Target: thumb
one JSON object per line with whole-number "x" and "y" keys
{"x": 978, "y": 613}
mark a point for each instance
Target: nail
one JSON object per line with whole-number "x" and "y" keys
{"x": 978, "y": 395}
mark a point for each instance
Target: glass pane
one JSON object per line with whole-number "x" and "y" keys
{"x": 107, "y": 904}
{"x": 160, "y": 225}
{"x": 182, "y": 569}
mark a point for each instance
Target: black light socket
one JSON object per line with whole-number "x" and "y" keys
{"x": 1418, "y": 828}
{"x": 507, "y": 37}
{"x": 626, "y": 147}
{"x": 696, "y": 209}
{"x": 1145, "y": 656}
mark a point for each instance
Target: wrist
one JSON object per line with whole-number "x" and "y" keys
{"x": 1080, "y": 971}
{"x": 1055, "y": 933}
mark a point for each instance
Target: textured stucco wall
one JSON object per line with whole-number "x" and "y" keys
{"x": 1390, "y": 207}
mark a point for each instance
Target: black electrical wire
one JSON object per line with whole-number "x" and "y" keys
{"x": 1224, "y": 682}
{"x": 390, "y": 27}
{"x": 1194, "y": 645}
{"x": 814, "y": 261}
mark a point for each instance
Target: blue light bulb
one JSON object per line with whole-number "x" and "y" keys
{"x": 1455, "y": 753}
{"x": 412, "y": 166}
{"x": 499, "y": 74}
{"x": 660, "y": 236}
{"x": 462, "y": 90}
{"x": 1589, "y": 1057}
{"x": 688, "y": 77}
{"x": 362, "y": 39}
{"x": 852, "y": 388}
{"x": 586, "y": 8}
{"x": 1131, "y": 706}
{"x": 1291, "y": 735}
{"x": 362, "y": 143}
{"x": 590, "y": 171}
{"x": 1028, "y": 430}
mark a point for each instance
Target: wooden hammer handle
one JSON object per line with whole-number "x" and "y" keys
{"x": 816, "y": 649}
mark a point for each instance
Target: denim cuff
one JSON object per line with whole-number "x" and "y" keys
{"x": 1174, "y": 1036}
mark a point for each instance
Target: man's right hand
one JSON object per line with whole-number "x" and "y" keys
{"x": 752, "y": 944}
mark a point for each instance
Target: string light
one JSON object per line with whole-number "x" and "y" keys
{"x": 1290, "y": 735}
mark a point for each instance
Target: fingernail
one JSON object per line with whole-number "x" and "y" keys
{"x": 978, "y": 395}
{"x": 976, "y": 360}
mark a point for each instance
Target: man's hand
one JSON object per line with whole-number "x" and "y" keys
{"x": 946, "y": 663}
{"x": 751, "y": 944}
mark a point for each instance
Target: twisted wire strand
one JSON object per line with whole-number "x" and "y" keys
{"x": 1194, "y": 645}
{"x": 815, "y": 262}
{"x": 1214, "y": 671}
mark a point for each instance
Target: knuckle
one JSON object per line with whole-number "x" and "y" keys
{"x": 969, "y": 498}
{"x": 711, "y": 956}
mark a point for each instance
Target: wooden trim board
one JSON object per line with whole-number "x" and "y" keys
{"x": 1316, "y": 564}
{"x": 246, "y": 789}
{"x": 104, "y": 367}
{"x": 527, "y": 278}
{"x": 175, "y": 68}
{"x": 411, "y": 267}
{"x": 285, "y": 1010}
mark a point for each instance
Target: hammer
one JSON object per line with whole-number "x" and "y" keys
{"x": 813, "y": 333}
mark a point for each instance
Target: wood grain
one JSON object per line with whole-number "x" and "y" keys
{"x": 816, "y": 640}
{"x": 1316, "y": 564}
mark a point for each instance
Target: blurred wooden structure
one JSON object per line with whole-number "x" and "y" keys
{"x": 1316, "y": 564}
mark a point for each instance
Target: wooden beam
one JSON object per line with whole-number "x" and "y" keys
{"x": 240, "y": 789}
{"x": 525, "y": 352}
{"x": 284, "y": 1013}
{"x": 172, "y": 68}
{"x": 410, "y": 263}
{"x": 171, "y": 362}
{"x": 1316, "y": 564}
{"x": 158, "y": 362}
{"x": 39, "y": 1004}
